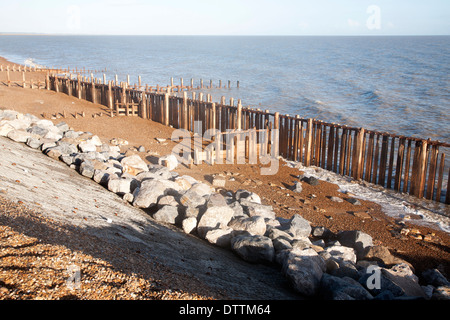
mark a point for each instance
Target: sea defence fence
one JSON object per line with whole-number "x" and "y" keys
{"x": 406, "y": 164}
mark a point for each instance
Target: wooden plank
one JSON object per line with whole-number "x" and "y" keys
{"x": 324, "y": 147}
{"x": 308, "y": 142}
{"x": 348, "y": 153}
{"x": 296, "y": 136}
{"x": 415, "y": 180}
{"x": 317, "y": 143}
{"x": 330, "y": 150}
{"x": 432, "y": 172}
{"x": 369, "y": 158}
{"x": 301, "y": 141}
{"x": 440, "y": 177}
{"x": 336, "y": 150}
{"x": 422, "y": 168}
{"x": 399, "y": 164}
{"x": 165, "y": 115}
{"x": 391, "y": 163}
{"x": 343, "y": 151}
{"x": 407, "y": 165}
{"x": 289, "y": 138}
{"x": 376, "y": 161}
{"x": 360, "y": 153}
{"x": 383, "y": 160}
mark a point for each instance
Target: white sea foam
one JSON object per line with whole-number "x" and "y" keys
{"x": 393, "y": 204}
{"x": 31, "y": 63}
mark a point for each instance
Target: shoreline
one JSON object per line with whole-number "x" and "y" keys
{"x": 273, "y": 190}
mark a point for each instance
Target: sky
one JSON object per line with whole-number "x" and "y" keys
{"x": 226, "y": 17}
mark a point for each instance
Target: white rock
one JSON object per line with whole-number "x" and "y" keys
{"x": 304, "y": 269}
{"x": 220, "y": 237}
{"x": 254, "y": 225}
{"x": 170, "y": 161}
{"x": 86, "y": 146}
{"x": 19, "y": 135}
{"x": 213, "y": 218}
{"x": 342, "y": 253}
{"x": 134, "y": 161}
{"x": 5, "y": 129}
{"x": 189, "y": 224}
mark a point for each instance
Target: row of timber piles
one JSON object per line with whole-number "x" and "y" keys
{"x": 411, "y": 165}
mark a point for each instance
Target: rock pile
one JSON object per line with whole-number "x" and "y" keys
{"x": 317, "y": 262}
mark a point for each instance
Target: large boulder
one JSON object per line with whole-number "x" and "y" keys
{"x": 167, "y": 214}
{"x": 5, "y": 128}
{"x": 256, "y": 209}
{"x": 134, "y": 161}
{"x": 342, "y": 253}
{"x": 170, "y": 161}
{"x": 402, "y": 275}
{"x": 122, "y": 185}
{"x": 304, "y": 269}
{"x": 189, "y": 224}
{"x": 253, "y": 248}
{"x": 149, "y": 193}
{"x": 242, "y": 194}
{"x": 254, "y": 225}
{"x": 335, "y": 288}
{"x": 357, "y": 240}
{"x": 297, "y": 226}
{"x": 220, "y": 237}
{"x": 214, "y": 218}
{"x": 19, "y": 135}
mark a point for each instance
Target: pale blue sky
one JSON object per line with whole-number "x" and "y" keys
{"x": 228, "y": 17}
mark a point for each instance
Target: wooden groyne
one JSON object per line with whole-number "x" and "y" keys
{"x": 406, "y": 164}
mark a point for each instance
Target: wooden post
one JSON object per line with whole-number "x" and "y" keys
{"x": 239, "y": 115}
{"x": 110, "y": 96}
{"x": 308, "y": 144}
{"x": 213, "y": 116}
{"x": 47, "y": 81}
{"x": 143, "y": 110}
{"x": 185, "y": 115}
{"x": 399, "y": 166}
{"x": 93, "y": 91}
{"x": 357, "y": 165}
{"x": 166, "y": 109}
{"x": 56, "y": 81}
{"x": 407, "y": 165}
{"x": 432, "y": 172}
{"x": 440, "y": 178}
{"x": 23, "y": 80}
{"x": 8, "y": 78}
{"x": 79, "y": 87}
{"x": 422, "y": 168}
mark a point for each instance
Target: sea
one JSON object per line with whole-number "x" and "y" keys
{"x": 394, "y": 84}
